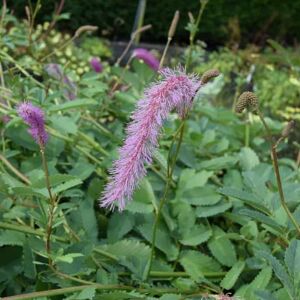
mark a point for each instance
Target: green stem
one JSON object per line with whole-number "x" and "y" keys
{"x": 46, "y": 171}
{"x": 93, "y": 143}
{"x": 247, "y": 132}
{"x": 37, "y": 232}
{"x": 103, "y": 287}
{"x": 165, "y": 52}
{"x": 160, "y": 274}
{"x": 21, "y": 69}
{"x": 105, "y": 254}
{"x": 277, "y": 173}
{"x": 193, "y": 33}
{"x": 29, "y": 230}
{"x": 170, "y": 168}
{"x": 52, "y": 205}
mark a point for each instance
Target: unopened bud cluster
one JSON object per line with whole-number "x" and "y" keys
{"x": 208, "y": 75}
{"x": 247, "y": 100}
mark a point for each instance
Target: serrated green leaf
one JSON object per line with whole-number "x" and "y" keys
{"x": 262, "y": 218}
{"x": 126, "y": 248}
{"x": 208, "y": 211}
{"x": 12, "y": 238}
{"x": 163, "y": 239}
{"x": 248, "y": 198}
{"x": 78, "y": 103}
{"x": 87, "y": 293}
{"x": 292, "y": 261}
{"x": 131, "y": 254}
{"x": 196, "y": 235}
{"x": 88, "y": 219}
{"x": 82, "y": 170}
{"x": 119, "y": 225}
{"x": 68, "y": 258}
{"x": 279, "y": 271}
{"x": 190, "y": 179}
{"x": 143, "y": 199}
{"x": 218, "y": 163}
{"x": 248, "y": 158}
{"x": 28, "y": 261}
{"x": 232, "y": 276}
{"x": 55, "y": 180}
{"x": 67, "y": 185}
{"x": 222, "y": 248}
{"x": 170, "y": 297}
{"x": 119, "y": 295}
{"x": 201, "y": 196}
{"x": 29, "y": 191}
{"x": 260, "y": 282}
{"x": 196, "y": 264}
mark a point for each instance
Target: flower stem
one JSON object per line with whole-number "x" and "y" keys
{"x": 277, "y": 173}
{"x": 170, "y": 170}
{"x": 52, "y": 205}
{"x": 247, "y": 132}
{"x": 165, "y": 52}
{"x": 99, "y": 287}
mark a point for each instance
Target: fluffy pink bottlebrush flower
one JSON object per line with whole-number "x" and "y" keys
{"x": 34, "y": 117}
{"x": 95, "y": 63}
{"x": 176, "y": 90}
{"x": 147, "y": 57}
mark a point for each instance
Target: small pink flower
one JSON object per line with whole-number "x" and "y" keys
{"x": 147, "y": 57}
{"x": 175, "y": 90}
{"x": 95, "y": 63}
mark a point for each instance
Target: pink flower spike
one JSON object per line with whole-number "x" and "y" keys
{"x": 95, "y": 63}
{"x": 34, "y": 117}
{"x": 175, "y": 90}
{"x": 147, "y": 57}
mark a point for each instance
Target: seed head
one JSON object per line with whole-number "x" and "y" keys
{"x": 246, "y": 100}
{"x": 173, "y": 24}
{"x": 208, "y": 75}
{"x": 85, "y": 28}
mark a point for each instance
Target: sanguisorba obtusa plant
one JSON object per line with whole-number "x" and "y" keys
{"x": 34, "y": 117}
{"x": 249, "y": 100}
{"x": 175, "y": 90}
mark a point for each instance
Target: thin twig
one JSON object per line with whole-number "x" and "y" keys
{"x": 57, "y": 12}
{"x": 277, "y": 172}
{"x": 133, "y": 35}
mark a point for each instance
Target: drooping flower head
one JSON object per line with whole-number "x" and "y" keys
{"x": 147, "y": 57}
{"x": 95, "y": 63}
{"x": 34, "y": 117}
{"x": 70, "y": 88}
{"x": 54, "y": 70}
{"x": 175, "y": 90}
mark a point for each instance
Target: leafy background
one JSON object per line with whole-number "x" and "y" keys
{"x": 223, "y": 229}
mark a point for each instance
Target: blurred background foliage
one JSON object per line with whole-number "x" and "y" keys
{"x": 225, "y": 22}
